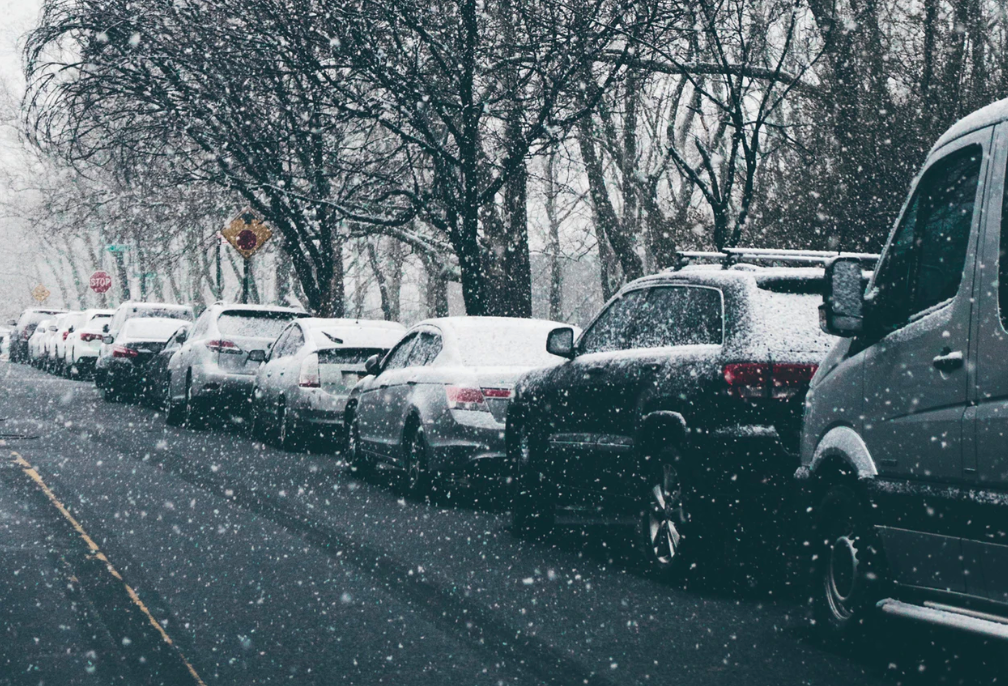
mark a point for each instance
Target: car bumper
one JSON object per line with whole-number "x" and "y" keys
{"x": 467, "y": 445}
{"x": 232, "y": 390}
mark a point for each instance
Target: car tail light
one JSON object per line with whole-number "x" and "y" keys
{"x": 90, "y": 337}
{"x": 65, "y": 334}
{"x": 223, "y": 346}
{"x": 123, "y": 351}
{"x": 464, "y": 398}
{"x": 309, "y": 376}
{"x": 759, "y": 380}
{"x": 496, "y": 393}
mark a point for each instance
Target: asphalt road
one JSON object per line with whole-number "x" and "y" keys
{"x": 119, "y": 534}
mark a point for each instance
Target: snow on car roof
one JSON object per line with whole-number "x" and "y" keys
{"x": 992, "y": 114}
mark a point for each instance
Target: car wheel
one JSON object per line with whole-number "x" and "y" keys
{"x": 847, "y": 565}
{"x": 664, "y": 515}
{"x": 173, "y": 413}
{"x": 286, "y": 430}
{"x": 532, "y": 512}
{"x": 355, "y": 456}
{"x": 194, "y": 419}
{"x": 418, "y": 475}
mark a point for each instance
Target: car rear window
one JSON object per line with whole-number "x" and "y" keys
{"x": 790, "y": 322}
{"x": 161, "y": 313}
{"x": 147, "y": 328}
{"x": 254, "y": 324}
{"x": 679, "y": 315}
{"x": 348, "y": 355}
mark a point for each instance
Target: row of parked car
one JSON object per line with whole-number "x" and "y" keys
{"x": 870, "y": 403}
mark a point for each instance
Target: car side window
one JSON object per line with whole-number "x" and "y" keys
{"x": 612, "y": 329}
{"x": 400, "y": 354}
{"x": 279, "y": 345}
{"x": 924, "y": 265}
{"x": 426, "y": 348}
{"x": 679, "y": 315}
{"x": 201, "y": 326}
{"x": 1003, "y": 258}
{"x": 294, "y": 341}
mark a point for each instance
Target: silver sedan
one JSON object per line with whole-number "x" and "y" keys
{"x": 434, "y": 408}
{"x": 302, "y": 386}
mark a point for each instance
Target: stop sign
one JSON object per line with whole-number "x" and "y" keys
{"x": 101, "y": 282}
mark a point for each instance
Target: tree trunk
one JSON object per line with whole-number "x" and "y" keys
{"x": 553, "y": 240}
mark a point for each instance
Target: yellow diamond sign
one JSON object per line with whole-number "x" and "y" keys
{"x": 247, "y": 232}
{"x": 40, "y": 293}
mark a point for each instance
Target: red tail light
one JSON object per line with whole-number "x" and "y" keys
{"x": 759, "y": 380}
{"x": 223, "y": 346}
{"x": 463, "y": 398}
{"x": 65, "y": 334}
{"x": 309, "y": 376}
{"x": 123, "y": 351}
{"x": 496, "y": 392}
{"x": 90, "y": 337}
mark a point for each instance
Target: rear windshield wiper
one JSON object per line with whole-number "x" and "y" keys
{"x": 337, "y": 341}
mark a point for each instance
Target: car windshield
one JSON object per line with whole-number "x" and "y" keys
{"x": 254, "y": 324}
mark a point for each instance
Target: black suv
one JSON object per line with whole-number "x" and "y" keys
{"x": 679, "y": 404}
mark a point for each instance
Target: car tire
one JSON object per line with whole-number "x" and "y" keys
{"x": 286, "y": 432}
{"x": 532, "y": 511}
{"x": 663, "y": 516}
{"x": 194, "y": 418}
{"x": 355, "y": 457}
{"x": 847, "y": 569}
{"x": 173, "y": 413}
{"x": 417, "y": 481}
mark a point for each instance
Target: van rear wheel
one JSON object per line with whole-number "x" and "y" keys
{"x": 847, "y": 567}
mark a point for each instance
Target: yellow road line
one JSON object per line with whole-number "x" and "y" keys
{"x": 98, "y": 554}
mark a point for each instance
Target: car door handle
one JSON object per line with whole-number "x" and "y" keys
{"x": 948, "y": 361}
{"x": 411, "y": 382}
{"x": 595, "y": 371}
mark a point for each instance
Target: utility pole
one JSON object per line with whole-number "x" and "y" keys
{"x": 220, "y": 272}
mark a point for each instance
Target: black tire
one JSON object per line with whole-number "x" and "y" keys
{"x": 287, "y": 431}
{"x": 848, "y": 570}
{"x": 663, "y": 518}
{"x": 533, "y": 512}
{"x": 194, "y": 418}
{"x": 355, "y": 456}
{"x": 417, "y": 481}
{"x": 173, "y": 413}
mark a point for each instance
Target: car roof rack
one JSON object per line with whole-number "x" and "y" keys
{"x": 732, "y": 256}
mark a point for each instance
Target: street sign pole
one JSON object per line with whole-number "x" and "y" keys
{"x": 245, "y": 282}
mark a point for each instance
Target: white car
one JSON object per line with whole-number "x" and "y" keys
{"x": 80, "y": 348}
{"x": 36, "y": 343}
{"x": 54, "y": 348}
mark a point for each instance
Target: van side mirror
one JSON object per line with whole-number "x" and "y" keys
{"x": 560, "y": 342}
{"x": 107, "y": 340}
{"x": 842, "y": 311}
{"x": 70, "y": 330}
{"x": 257, "y": 355}
{"x": 373, "y": 365}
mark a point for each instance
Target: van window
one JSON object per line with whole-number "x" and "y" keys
{"x": 924, "y": 265}
{"x": 679, "y": 315}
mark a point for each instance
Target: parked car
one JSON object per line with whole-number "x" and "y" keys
{"x": 677, "y": 410}
{"x": 36, "y": 344}
{"x": 80, "y": 349}
{"x": 158, "y": 375}
{"x": 25, "y": 327}
{"x": 903, "y": 448}
{"x": 55, "y": 353}
{"x": 434, "y": 407}
{"x": 135, "y": 347}
{"x": 212, "y": 370}
{"x": 125, "y": 312}
{"x": 301, "y": 389}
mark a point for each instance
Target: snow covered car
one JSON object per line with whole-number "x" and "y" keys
{"x": 125, "y": 312}
{"x": 678, "y": 409}
{"x": 434, "y": 408}
{"x": 36, "y": 343}
{"x": 80, "y": 349}
{"x": 212, "y": 370}
{"x": 302, "y": 387}
{"x": 139, "y": 341}
{"x": 55, "y": 349}
{"x": 25, "y": 328}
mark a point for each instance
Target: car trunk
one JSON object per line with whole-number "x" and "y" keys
{"x": 237, "y": 362}
{"x": 496, "y": 383}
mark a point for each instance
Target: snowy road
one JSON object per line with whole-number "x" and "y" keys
{"x": 267, "y": 567}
